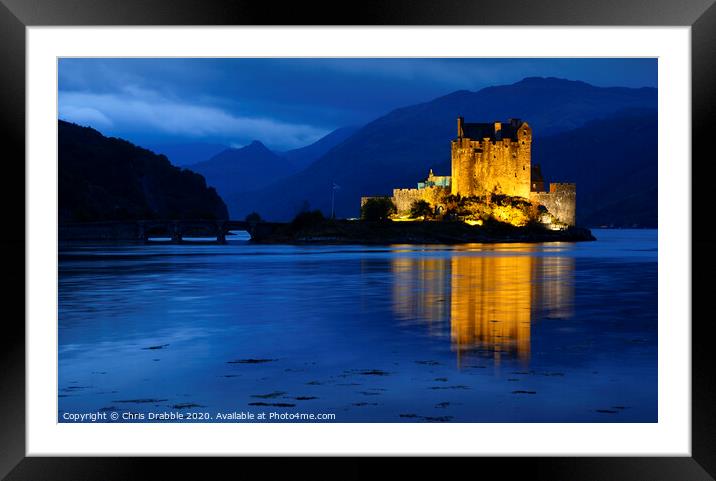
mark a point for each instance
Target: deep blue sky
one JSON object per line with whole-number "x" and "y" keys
{"x": 288, "y": 103}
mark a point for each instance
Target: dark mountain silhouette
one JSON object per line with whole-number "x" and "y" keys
{"x": 248, "y": 168}
{"x": 254, "y": 166}
{"x": 614, "y": 163}
{"x": 399, "y": 148}
{"x": 187, "y": 153}
{"x": 105, "y": 178}
{"x": 304, "y": 156}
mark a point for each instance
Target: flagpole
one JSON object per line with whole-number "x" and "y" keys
{"x": 333, "y": 201}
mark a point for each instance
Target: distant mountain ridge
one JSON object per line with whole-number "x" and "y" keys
{"x": 614, "y": 162}
{"x": 254, "y": 166}
{"x": 106, "y": 178}
{"x": 398, "y": 149}
{"x": 183, "y": 154}
{"x": 304, "y": 156}
{"x": 248, "y": 168}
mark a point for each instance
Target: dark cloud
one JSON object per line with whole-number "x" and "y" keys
{"x": 289, "y": 102}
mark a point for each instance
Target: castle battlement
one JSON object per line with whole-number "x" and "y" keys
{"x": 483, "y": 143}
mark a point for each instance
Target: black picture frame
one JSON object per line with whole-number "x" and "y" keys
{"x": 16, "y": 15}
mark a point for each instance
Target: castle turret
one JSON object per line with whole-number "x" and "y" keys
{"x": 460, "y": 129}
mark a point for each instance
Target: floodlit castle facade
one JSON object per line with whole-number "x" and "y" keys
{"x": 494, "y": 157}
{"x": 488, "y": 159}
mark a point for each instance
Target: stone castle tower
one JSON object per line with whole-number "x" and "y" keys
{"x": 492, "y": 158}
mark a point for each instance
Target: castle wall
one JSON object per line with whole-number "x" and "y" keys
{"x": 560, "y": 201}
{"x": 365, "y": 199}
{"x": 484, "y": 166}
{"x": 404, "y": 198}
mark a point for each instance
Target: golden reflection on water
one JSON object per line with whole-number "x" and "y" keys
{"x": 489, "y": 296}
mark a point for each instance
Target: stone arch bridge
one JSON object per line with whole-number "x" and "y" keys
{"x": 176, "y": 230}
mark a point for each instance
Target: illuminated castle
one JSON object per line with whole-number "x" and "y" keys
{"x": 492, "y": 159}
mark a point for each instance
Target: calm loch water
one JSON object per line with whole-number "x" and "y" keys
{"x": 553, "y": 332}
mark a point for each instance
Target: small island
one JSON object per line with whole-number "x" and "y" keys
{"x": 494, "y": 194}
{"x": 313, "y": 228}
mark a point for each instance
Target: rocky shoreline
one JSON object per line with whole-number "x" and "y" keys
{"x": 333, "y": 232}
{"x": 417, "y": 232}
